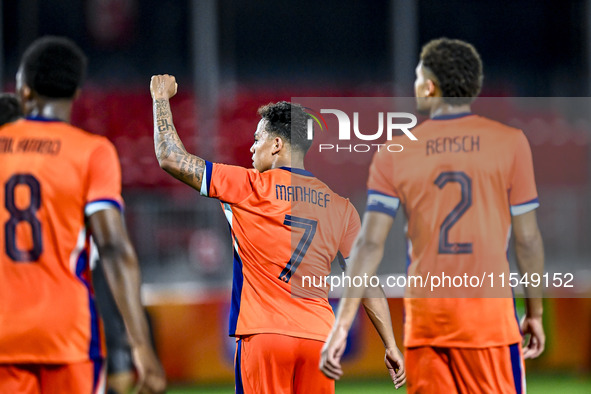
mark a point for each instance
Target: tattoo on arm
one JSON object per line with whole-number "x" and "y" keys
{"x": 170, "y": 151}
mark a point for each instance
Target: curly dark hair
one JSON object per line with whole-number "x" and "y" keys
{"x": 10, "y": 108}
{"x": 288, "y": 121}
{"x": 457, "y": 67}
{"x": 54, "y": 67}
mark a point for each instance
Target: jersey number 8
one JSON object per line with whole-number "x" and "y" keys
{"x": 18, "y": 215}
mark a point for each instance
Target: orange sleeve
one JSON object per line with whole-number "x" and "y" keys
{"x": 104, "y": 179}
{"x": 380, "y": 179}
{"x": 523, "y": 195}
{"x": 382, "y": 195}
{"x": 353, "y": 227}
{"x": 231, "y": 184}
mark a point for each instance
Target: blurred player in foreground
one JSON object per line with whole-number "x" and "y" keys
{"x": 59, "y": 186}
{"x": 10, "y": 108}
{"x": 119, "y": 362}
{"x": 461, "y": 201}
{"x": 280, "y": 324}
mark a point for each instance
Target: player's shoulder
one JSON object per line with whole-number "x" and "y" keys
{"x": 495, "y": 125}
{"x": 239, "y": 173}
{"x": 512, "y": 138}
{"x": 94, "y": 144}
{"x": 343, "y": 202}
{"x": 88, "y": 137}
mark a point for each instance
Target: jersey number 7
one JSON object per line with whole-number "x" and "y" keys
{"x": 309, "y": 226}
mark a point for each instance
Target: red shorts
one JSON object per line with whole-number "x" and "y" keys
{"x": 465, "y": 370}
{"x": 85, "y": 377}
{"x": 279, "y": 364}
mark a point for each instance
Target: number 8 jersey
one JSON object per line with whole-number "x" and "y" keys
{"x": 287, "y": 227}
{"x": 458, "y": 185}
{"x": 52, "y": 177}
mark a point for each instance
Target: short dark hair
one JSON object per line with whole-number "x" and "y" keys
{"x": 10, "y": 108}
{"x": 457, "y": 66}
{"x": 54, "y": 67}
{"x": 288, "y": 121}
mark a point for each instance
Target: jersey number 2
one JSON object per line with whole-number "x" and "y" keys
{"x": 446, "y": 247}
{"x": 309, "y": 226}
{"x": 18, "y": 215}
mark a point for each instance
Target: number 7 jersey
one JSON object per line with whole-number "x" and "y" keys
{"x": 287, "y": 227}
{"x": 52, "y": 177}
{"x": 458, "y": 185}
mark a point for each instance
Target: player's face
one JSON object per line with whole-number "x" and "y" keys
{"x": 262, "y": 148}
{"x": 423, "y": 92}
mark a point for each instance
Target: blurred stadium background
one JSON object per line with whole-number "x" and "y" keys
{"x": 232, "y": 56}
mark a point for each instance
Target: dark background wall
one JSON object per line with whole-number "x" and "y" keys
{"x": 530, "y": 48}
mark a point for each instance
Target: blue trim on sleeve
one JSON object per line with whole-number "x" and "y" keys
{"x": 208, "y": 171}
{"x": 532, "y": 201}
{"x": 525, "y": 207}
{"x": 381, "y": 202}
{"x": 107, "y": 200}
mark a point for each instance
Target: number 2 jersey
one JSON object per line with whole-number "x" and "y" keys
{"x": 52, "y": 177}
{"x": 287, "y": 227}
{"x": 458, "y": 185}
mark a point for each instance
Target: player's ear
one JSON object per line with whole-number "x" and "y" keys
{"x": 77, "y": 93}
{"x": 431, "y": 88}
{"x": 277, "y": 145}
{"x": 25, "y": 92}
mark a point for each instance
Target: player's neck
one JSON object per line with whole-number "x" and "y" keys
{"x": 447, "y": 109}
{"x": 290, "y": 160}
{"x": 52, "y": 109}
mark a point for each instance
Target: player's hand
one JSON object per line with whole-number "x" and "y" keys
{"x": 151, "y": 377}
{"x": 163, "y": 86}
{"x": 534, "y": 345}
{"x": 395, "y": 365}
{"x": 332, "y": 351}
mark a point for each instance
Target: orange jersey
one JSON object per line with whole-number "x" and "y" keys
{"x": 458, "y": 184}
{"x": 52, "y": 177}
{"x": 286, "y": 226}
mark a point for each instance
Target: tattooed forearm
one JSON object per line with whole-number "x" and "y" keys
{"x": 162, "y": 108}
{"x": 163, "y": 125}
{"x": 170, "y": 151}
{"x": 166, "y": 140}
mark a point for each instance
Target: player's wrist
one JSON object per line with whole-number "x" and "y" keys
{"x": 534, "y": 315}
{"x": 343, "y": 325}
{"x": 534, "y": 308}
